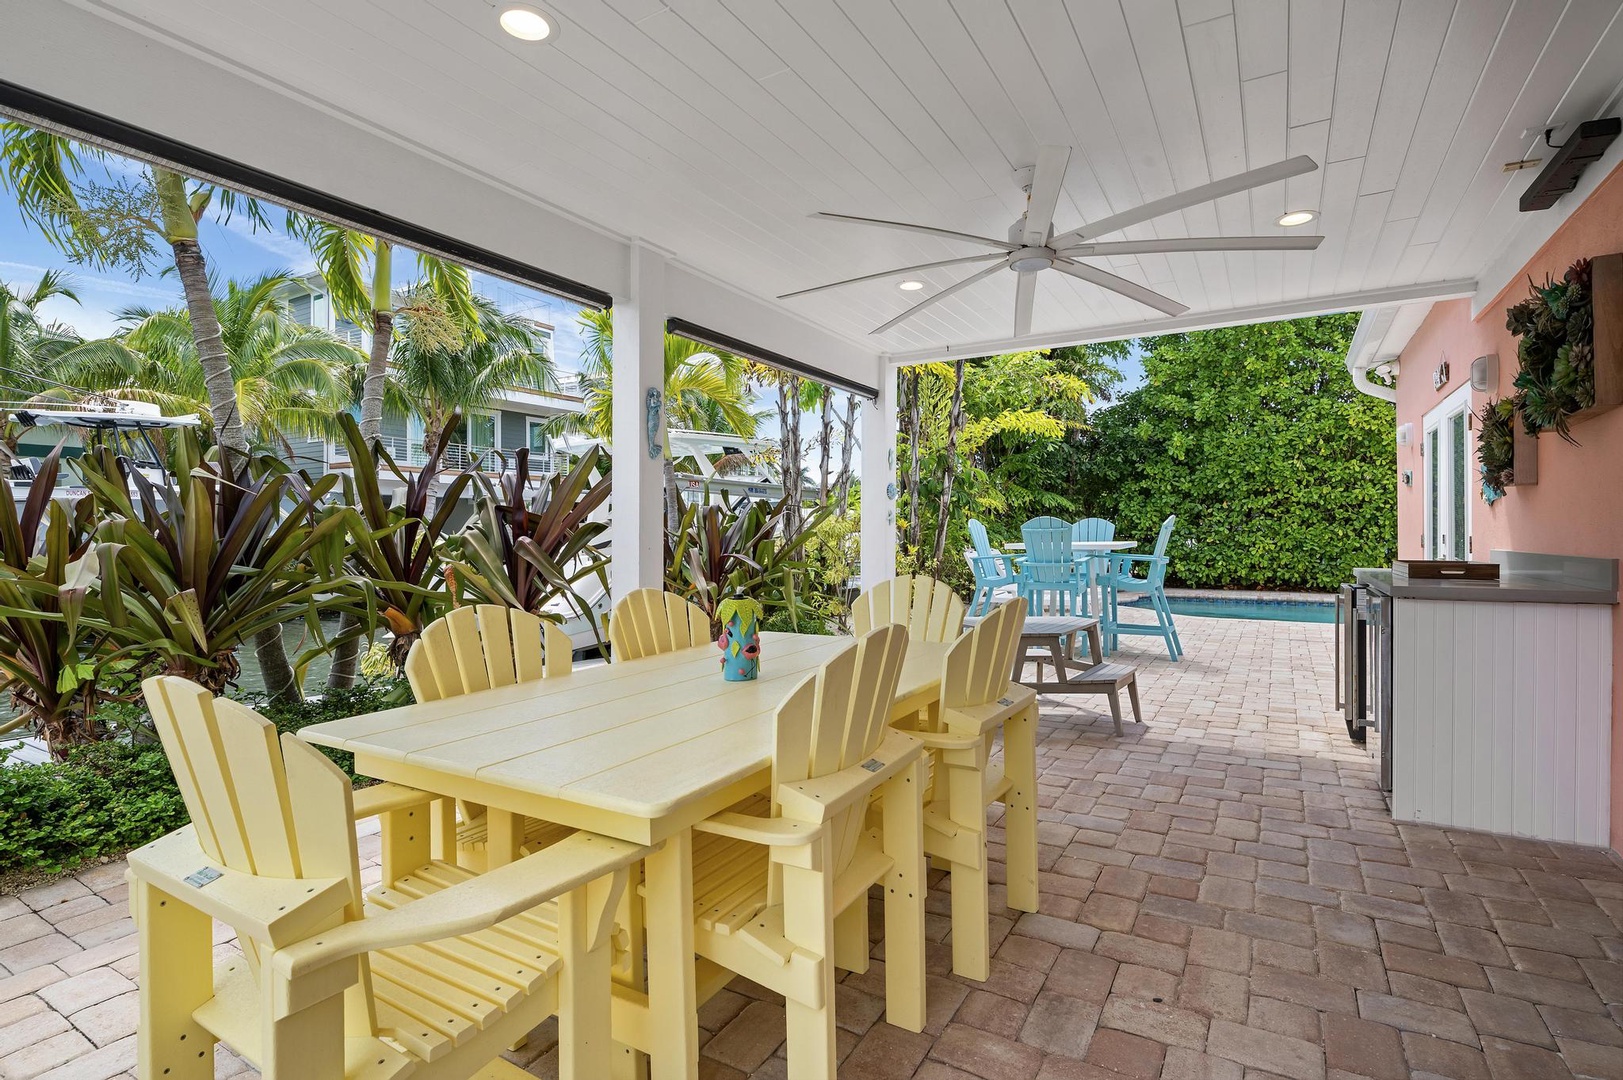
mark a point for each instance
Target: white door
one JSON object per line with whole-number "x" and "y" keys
{"x": 1448, "y": 462}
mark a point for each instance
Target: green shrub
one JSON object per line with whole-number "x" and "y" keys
{"x": 114, "y": 795}
{"x": 106, "y": 798}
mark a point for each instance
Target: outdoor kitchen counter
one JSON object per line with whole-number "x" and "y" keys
{"x": 1523, "y": 578}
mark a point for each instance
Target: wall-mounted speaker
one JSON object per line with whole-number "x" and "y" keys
{"x": 1485, "y": 373}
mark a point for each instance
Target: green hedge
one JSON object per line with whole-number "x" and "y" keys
{"x": 1281, "y": 474}
{"x": 111, "y": 796}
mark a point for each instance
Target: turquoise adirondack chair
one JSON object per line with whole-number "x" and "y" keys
{"x": 1050, "y": 580}
{"x": 992, "y": 569}
{"x": 1120, "y": 579}
{"x": 1093, "y": 529}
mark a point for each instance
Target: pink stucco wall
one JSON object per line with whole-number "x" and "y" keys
{"x": 1576, "y": 508}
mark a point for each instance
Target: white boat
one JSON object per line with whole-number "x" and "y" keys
{"x": 126, "y": 425}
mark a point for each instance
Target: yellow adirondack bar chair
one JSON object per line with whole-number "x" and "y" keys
{"x": 648, "y": 622}
{"x": 977, "y": 703}
{"x": 480, "y": 648}
{"x": 441, "y": 971}
{"x": 783, "y": 899}
{"x": 929, "y": 609}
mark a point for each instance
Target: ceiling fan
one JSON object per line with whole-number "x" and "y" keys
{"x": 1033, "y": 246}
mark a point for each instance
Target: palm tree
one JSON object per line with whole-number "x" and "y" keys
{"x": 358, "y": 269}
{"x": 119, "y": 224}
{"x": 287, "y": 378}
{"x": 498, "y": 350}
{"x": 28, "y": 343}
{"x": 705, "y": 390}
{"x": 290, "y": 379}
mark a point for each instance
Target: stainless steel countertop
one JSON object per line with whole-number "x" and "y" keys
{"x": 1514, "y": 586}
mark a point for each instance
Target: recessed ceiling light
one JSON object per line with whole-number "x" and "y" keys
{"x": 1297, "y": 217}
{"x": 526, "y": 23}
{"x": 910, "y": 286}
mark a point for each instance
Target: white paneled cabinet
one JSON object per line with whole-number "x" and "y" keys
{"x": 1501, "y": 717}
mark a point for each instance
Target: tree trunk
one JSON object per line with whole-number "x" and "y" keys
{"x": 190, "y": 266}
{"x": 346, "y": 658}
{"x": 789, "y": 444}
{"x": 281, "y": 685}
{"x": 826, "y": 416}
{"x": 848, "y": 425}
{"x": 949, "y": 472}
{"x": 673, "y": 497}
{"x": 915, "y": 424}
{"x": 218, "y": 378}
{"x": 377, "y": 364}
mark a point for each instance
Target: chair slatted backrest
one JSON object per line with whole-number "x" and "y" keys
{"x": 979, "y": 540}
{"x": 1158, "y": 568}
{"x": 275, "y": 808}
{"x": 928, "y": 608}
{"x": 647, "y": 622}
{"x": 1049, "y": 558}
{"x": 977, "y": 668}
{"x": 836, "y": 719}
{"x": 482, "y": 647}
{"x": 1094, "y": 529}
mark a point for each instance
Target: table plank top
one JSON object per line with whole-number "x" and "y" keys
{"x": 635, "y": 738}
{"x": 1046, "y": 625}
{"x": 1083, "y": 545}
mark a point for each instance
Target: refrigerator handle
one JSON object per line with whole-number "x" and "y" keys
{"x": 1341, "y": 597}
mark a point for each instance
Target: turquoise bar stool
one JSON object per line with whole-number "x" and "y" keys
{"x": 1050, "y": 581}
{"x": 1093, "y": 530}
{"x": 992, "y": 569}
{"x": 1120, "y": 579}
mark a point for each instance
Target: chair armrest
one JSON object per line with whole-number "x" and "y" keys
{"x": 386, "y": 798}
{"x": 974, "y": 721}
{"x": 1138, "y": 557}
{"x": 768, "y": 832}
{"x": 264, "y": 909}
{"x": 476, "y": 904}
{"x": 819, "y": 799}
{"x": 946, "y": 740}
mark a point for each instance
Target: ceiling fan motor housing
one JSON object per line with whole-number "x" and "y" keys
{"x": 1030, "y": 260}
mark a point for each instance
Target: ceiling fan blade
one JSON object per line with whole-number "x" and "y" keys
{"x": 928, "y": 230}
{"x": 1193, "y": 243}
{"x": 898, "y": 270}
{"x": 1245, "y": 181}
{"x": 942, "y": 295}
{"x": 1025, "y": 298}
{"x": 1130, "y": 289}
{"x": 1046, "y": 179}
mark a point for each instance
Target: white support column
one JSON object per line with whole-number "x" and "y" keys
{"x": 879, "y": 482}
{"x": 639, "y": 477}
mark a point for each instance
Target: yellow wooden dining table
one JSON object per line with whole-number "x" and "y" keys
{"x": 640, "y": 751}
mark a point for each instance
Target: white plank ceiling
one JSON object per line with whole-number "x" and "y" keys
{"x": 715, "y": 128}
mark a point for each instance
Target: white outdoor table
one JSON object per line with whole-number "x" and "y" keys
{"x": 640, "y": 751}
{"x": 1092, "y": 549}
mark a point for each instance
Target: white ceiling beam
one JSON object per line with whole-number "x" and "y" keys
{"x": 1209, "y": 320}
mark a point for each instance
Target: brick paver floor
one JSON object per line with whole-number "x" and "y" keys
{"x": 1224, "y": 896}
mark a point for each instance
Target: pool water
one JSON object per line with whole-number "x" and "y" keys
{"x": 1274, "y": 610}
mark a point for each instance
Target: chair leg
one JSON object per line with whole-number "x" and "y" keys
{"x": 971, "y": 901}
{"x": 1132, "y": 693}
{"x": 584, "y": 1042}
{"x": 406, "y": 840}
{"x": 175, "y": 944}
{"x": 809, "y": 924}
{"x": 1163, "y": 617}
{"x": 1020, "y": 809}
{"x": 1115, "y": 708}
{"x": 905, "y": 888}
{"x": 851, "y": 937}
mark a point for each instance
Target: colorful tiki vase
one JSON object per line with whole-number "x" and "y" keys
{"x": 740, "y": 640}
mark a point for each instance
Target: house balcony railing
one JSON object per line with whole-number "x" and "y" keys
{"x": 409, "y": 453}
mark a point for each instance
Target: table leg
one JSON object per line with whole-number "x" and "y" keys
{"x": 504, "y": 833}
{"x": 1095, "y": 645}
{"x": 672, "y": 996}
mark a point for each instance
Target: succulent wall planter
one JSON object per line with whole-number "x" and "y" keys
{"x": 1570, "y": 356}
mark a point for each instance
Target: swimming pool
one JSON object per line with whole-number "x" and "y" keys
{"x": 1224, "y": 608}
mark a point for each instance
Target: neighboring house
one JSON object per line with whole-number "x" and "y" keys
{"x": 517, "y": 419}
